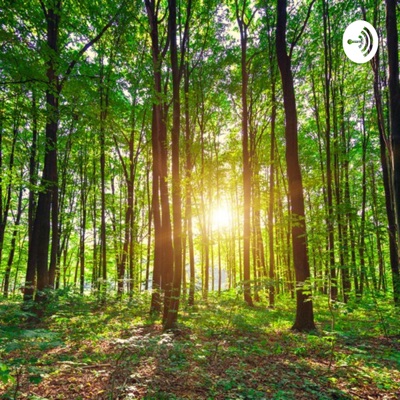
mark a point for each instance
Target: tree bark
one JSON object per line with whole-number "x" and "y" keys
{"x": 330, "y": 222}
{"x": 4, "y": 210}
{"x": 394, "y": 112}
{"x": 103, "y": 226}
{"x": 304, "y": 311}
{"x": 243, "y": 26}
{"x": 163, "y": 252}
{"x": 188, "y": 205}
{"x": 30, "y": 277}
{"x": 173, "y": 291}
{"x": 13, "y": 240}
{"x": 39, "y": 245}
{"x": 83, "y": 199}
{"x": 272, "y": 198}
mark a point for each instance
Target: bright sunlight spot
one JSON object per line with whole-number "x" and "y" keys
{"x": 221, "y": 218}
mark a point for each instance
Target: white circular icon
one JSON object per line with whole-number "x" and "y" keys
{"x": 360, "y": 41}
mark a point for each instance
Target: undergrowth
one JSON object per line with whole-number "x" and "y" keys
{"x": 83, "y": 349}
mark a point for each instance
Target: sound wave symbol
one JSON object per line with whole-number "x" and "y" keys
{"x": 364, "y": 41}
{"x": 360, "y": 41}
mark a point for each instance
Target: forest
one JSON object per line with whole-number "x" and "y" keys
{"x": 199, "y": 199}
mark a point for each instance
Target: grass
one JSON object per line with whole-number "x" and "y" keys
{"x": 222, "y": 350}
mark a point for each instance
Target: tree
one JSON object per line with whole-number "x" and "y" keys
{"x": 330, "y": 222}
{"x": 244, "y": 21}
{"x": 173, "y": 288}
{"x": 48, "y": 195}
{"x": 304, "y": 310}
{"x": 39, "y": 244}
{"x": 163, "y": 250}
{"x": 394, "y": 108}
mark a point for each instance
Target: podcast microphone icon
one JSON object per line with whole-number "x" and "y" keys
{"x": 360, "y": 41}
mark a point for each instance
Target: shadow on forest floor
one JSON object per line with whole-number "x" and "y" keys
{"x": 222, "y": 350}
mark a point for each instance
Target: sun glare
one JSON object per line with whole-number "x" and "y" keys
{"x": 221, "y": 218}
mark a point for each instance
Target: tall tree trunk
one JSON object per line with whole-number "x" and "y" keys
{"x": 328, "y": 73}
{"x": 155, "y": 206}
{"x": 394, "y": 108}
{"x": 96, "y": 264}
{"x": 128, "y": 234}
{"x": 30, "y": 277}
{"x": 103, "y": 227}
{"x": 39, "y": 244}
{"x": 323, "y": 179}
{"x": 54, "y": 272}
{"x": 350, "y": 222}
{"x": 12, "y": 248}
{"x": 38, "y": 251}
{"x": 150, "y": 219}
{"x": 163, "y": 250}
{"x": 346, "y": 283}
{"x": 243, "y": 26}
{"x": 362, "y": 248}
{"x": 172, "y": 298}
{"x": 188, "y": 205}
{"x": 381, "y": 262}
{"x": 5, "y": 208}
{"x": 272, "y": 195}
{"x": 205, "y": 257}
{"x": 304, "y": 310}
{"x": 272, "y": 172}
{"x": 83, "y": 199}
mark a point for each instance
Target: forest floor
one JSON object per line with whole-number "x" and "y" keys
{"x": 222, "y": 350}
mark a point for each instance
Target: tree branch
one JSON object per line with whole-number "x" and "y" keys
{"x": 43, "y": 8}
{"x": 185, "y": 38}
{"x": 121, "y": 158}
{"x": 297, "y": 38}
{"x": 20, "y": 82}
{"x": 90, "y": 44}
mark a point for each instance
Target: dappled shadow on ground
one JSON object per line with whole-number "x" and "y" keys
{"x": 221, "y": 351}
{"x": 234, "y": 366}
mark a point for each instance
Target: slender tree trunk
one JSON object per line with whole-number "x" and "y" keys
{"x": 96, "y": 264}
{"x": 30, "y": 278}
{"x": 55, "y": 231}
{"x": 188, "y": 205}
{"x": 4, "y": 210}
{"x": 204, "y": 226}
{"x": 304, "y": 311}
{"x": 132, "y": 247}
{"x": 350, "y": 221}
{"x": 272, "y": 197}
{"x": 394, "y": 108}
{"x": 363, "y": 276}
{"x": 328, "y": 73}
{"x": 387, "y": 179}
{"x": 155, "y": 206}
{"x": 219, "y": 264}
{"x": 323, "y": 179}
{"x": 246, "y": 158}
{"x": 381, "y": 262}
{"x": 103, "y": 226}
{"x": 39, "y": 244}
{"x": 83, "y": 219}
{"x": 150, "y": 219}
{"x": 127, "y": 237}
{"x": 346, "y": 283}
{"x": 12, "y": 247}
{"x": 173, "y": 292}
{"x": 163, "y": 250}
